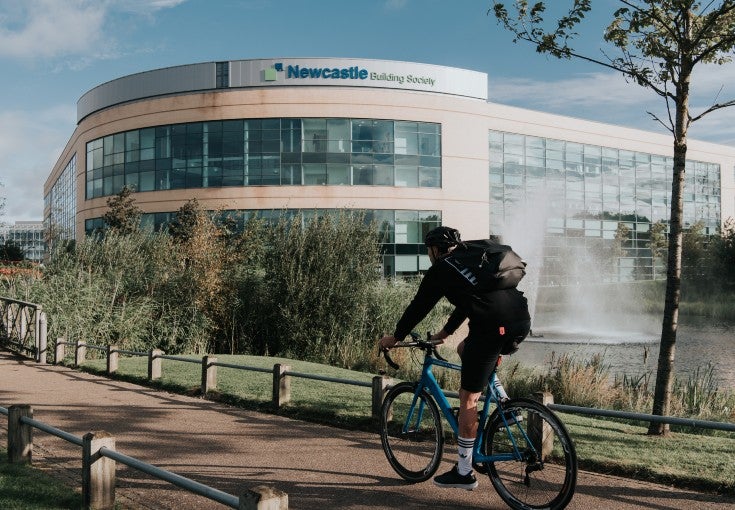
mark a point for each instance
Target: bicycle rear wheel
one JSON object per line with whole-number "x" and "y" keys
{"x": 546, "y": 474}
{"x": 411, "y": 433}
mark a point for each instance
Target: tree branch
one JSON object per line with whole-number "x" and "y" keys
{"x": 712, "y": 109}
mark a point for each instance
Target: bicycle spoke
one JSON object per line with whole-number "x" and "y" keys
{"x": 544, "y": 474}
{"x": 411, "y": 435}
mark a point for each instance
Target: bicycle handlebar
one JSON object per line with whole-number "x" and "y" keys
{"x": 428, "y": 346}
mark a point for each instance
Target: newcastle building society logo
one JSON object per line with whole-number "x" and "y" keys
{"x": 295, "y": 72}
{"x": 298, "y": 72}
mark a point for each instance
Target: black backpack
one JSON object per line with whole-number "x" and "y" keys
{"x": 487, "y": 264}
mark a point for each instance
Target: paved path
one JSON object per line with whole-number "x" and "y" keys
{"x": 232, "y": 449}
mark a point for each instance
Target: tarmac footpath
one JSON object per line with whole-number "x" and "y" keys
{"x": 232, "y": 449}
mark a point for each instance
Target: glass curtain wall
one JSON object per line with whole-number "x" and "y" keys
{"x": 61, "y": 203}
{"x": 597, "y": 204}
{"x": 266, "y": 152}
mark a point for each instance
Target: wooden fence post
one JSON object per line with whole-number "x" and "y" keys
{"x": 60, "y": 350}
{"x": 98, "y": 472}
{"x": 80, "y": 353}
{"x": 154, "y": 364}
{"x": 281, "y": 385}
{"x": 540, "y": 432}
{"x": 42, "y": 338}
{"x": 263, "y": 497}
{"x": 381, "y": 384}
{"x": 20, "y": 435}
{"x": 209, "y": 374}
{"x": 113, "y": 358}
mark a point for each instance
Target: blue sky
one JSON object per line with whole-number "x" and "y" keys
{"x": 53, "y": 51}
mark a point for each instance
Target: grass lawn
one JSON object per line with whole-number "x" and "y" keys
{"x": 23, "y": 487}
{"x": 697, "y": 461}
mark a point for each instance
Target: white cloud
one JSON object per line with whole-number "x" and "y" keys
{"x": 607, "y": 97}
{"x": 48, "y": 29}
{"x": 30, "y": 142}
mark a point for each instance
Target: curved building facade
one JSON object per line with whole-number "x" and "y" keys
{"x": 412, "y": 145}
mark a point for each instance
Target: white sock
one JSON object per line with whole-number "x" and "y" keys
{"x": 501, "y": 391}
{"x": 465, "y": 446}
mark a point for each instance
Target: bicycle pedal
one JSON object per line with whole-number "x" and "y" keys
{"x": 479, "y": 468}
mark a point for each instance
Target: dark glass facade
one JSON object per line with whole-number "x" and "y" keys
{"x": 266, "y": 152}
{"x": 61, "y": 203}
{"x": 593, "y": 200}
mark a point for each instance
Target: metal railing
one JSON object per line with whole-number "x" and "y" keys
{"x": 651, "y": 418}
{"x": 23, "y": 327}
{"x": 20, "y": 450}
{"x": 281, "y": 373}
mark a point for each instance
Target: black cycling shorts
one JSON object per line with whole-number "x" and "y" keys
{"x": 481, "y": 351}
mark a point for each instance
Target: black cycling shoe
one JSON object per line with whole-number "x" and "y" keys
{"x": 453, "y": 479}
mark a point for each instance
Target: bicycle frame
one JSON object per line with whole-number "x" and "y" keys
{"x": 429, "y": 383}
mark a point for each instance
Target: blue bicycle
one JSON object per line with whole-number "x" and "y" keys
{"x": 522, "y": 445}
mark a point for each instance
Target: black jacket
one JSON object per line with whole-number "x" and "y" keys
{"x": 487, "y": 311}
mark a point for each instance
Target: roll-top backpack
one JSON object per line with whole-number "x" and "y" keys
{"x": 487, "y": 265}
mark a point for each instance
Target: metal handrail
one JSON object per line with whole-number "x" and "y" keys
{"x": 162, "y": 474}
{"x": 328, "y": 379}
{"x": 672, "y": 420}
{"x": 694, "y": 423}
{"x": 168, "y": 476}
{"x": 52, "y": 430}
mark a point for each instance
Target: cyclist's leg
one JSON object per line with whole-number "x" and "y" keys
{"x": 479, "y": 357}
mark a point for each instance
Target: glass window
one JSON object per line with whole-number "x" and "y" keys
{"x": 338, "y": 174}
{"x": 407, "y": 176}
{"x": 315, "y": 174}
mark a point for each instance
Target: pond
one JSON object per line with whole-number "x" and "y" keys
{"x": 630, "y": 345}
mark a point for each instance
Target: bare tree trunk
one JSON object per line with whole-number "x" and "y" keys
{"x": 665, "y": 369}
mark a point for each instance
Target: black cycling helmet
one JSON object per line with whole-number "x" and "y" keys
{"x": 443, "y": 237}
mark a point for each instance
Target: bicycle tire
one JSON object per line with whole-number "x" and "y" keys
{"x": 414, "y": 454}
{"x": 546, "y": 476}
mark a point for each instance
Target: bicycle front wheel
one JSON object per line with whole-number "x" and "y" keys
{"x": 544, "y": 474}
{"x": 411, "y": 432}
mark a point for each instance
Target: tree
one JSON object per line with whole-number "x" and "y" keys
{"x": 725, "y": 253}
{"x": 123, "y": 215}
{"x": 658, "y": 244}
{"x": 659, "y": 43}
{"x": 11, "y": 251}
{"x": 187, "y": 218}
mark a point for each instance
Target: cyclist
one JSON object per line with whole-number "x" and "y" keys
{"x": 498, "y": 321}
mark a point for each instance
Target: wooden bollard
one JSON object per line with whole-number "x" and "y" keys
{"x": 113, "y": 359}
{"x": 98, "y": 472}
{"x": 263, "y": 497}
{"x": 281, "y": 385}
{"x": 60, "y": 350}
{"x": 381, "y": 384}
{"x": 42, "y": 338}
{"x": 80, "y": 353}
{"x": 209, "y": 374}
{"x": 20, "y": 435}
{"x": 154, "y": 364}
{"x": 540, "y": 432}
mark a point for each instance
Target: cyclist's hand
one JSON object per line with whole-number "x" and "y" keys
{"x": 386, "y": 342}
{"x": 440, "y": 336}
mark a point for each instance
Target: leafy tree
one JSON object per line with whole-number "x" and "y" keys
{"x": 694, "y": 253}
{"x": 726, "y": 253}
{"x": 659, "y": 43}
{"x": 187, "y": 218}
{"x": 658, "y": 243}
{"x": 11, "y": 251}
{"x": 320, "y": 275}
{"x": 123, "y": 216}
